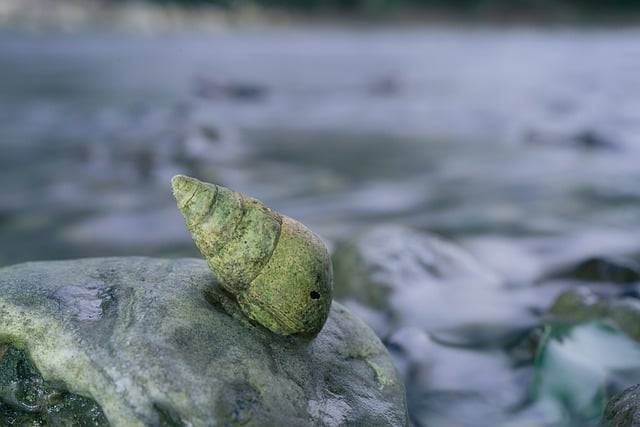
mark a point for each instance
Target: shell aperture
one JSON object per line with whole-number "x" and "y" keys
{"x": 277, "y": 269}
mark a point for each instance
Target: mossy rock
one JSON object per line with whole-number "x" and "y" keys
{"x": 141, "y": 341}
{"x": 582, "y": 305}
{"x": 621, "y": 270}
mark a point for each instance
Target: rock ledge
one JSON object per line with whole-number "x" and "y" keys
{"x": 148, "y": 340}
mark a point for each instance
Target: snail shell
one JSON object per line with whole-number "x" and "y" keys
{"x": 277, "y": 269}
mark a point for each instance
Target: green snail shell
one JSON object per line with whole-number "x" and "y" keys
{"x": 277, "y": 269}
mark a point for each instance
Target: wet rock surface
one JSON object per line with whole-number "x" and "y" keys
{"x": 397, "y": 276}
{"x": 149, "y": 342}
{"x": 27, "y": 400}
{"x": 622, "y": 270}
{"x": 475, "y": 349}
{"x": 624, "y": 409}
{"x": 446, "y": 321}
{"x": 583, "y": 305}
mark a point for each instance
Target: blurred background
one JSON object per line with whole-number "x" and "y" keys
{"x": 473, "y": 165}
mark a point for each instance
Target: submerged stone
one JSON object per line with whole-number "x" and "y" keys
{"x": 623, "y": 410}
{"x": 140, "y": 341}
{"x": 578, "y": 367}
{"x": 26, "y": 399}
{"x": 456, "y": 386}
{"x": 582, "y": 305}
{"x": 398, "y": 277}
{"x": 602, "y": 269}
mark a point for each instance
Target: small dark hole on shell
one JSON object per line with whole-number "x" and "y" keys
{"x": 314, "y": 295}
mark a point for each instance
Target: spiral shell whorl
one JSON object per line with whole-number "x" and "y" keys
{"x": 236, "y": 234}
{"x": 278, "y": 270}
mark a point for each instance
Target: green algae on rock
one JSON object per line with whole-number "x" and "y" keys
{"x": 621, "y": 270}
{"x": 120, "y": 331}
{"x": 582, "y": 305}
{"x": 277, "y": 269}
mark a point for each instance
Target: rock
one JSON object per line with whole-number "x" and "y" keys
{"x": 585, "y": 139}
{"x": 208, "y": 88}
{"x": 26, "y": 399}
{"x": 583, "y": 305}
{"x": 623, "y": 410}
{"x": 578, "y": 305}
{"x": 385, "y": 86}
{"x": 593, "y": 139}
{"x": 454, "y": 386}
{"x": 388, "y": 259}
{"x": 149, "y": 343}
{"x": 398, "y": 277}
{"x": 579, "y": 366}
{"x": 602, "y": 269}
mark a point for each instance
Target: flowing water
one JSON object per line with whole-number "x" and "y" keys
{"x": 522, "y": 146}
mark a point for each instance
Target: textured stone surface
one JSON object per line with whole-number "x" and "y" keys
{"x": 27, "y": 400}
{"x": 149, "y": 342}
{"x": 623, "y": 410}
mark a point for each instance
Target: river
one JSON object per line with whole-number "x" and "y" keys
{"x": 520, "y": 145}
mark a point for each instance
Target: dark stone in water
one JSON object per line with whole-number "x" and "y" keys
{"x": 623, "y": 410}
{"x": 591, "y": 139}
{"x": 587, "y": 139}
{"x": 385, "y": 86}
{"x": 239, "y": 91}
{"x": 26, "y": 399}
{"x": 211, "y": 133}
{"x": 602, "y": 269}
{"x": 582, "y": 305}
